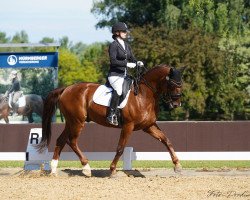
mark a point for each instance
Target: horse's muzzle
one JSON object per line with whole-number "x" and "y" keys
{"x": 174, "y": 104}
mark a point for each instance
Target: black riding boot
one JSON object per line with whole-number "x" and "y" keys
{"x": 112, "y": 116}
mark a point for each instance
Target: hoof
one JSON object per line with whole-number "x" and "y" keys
{"x": 53, "y": 174}
{"x": 86, "y": 170}
{"x": 178, "y": 168}
{"x": 113, "y": 174}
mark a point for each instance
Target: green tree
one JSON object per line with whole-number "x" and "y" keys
{"x": 96, "y": 55}
{"x": 65, "y": 42}
{"x": 78, "y": 49}
{"x": 47, "y": 40}
{"x": 4, "y": 38}
{"x": 90, "y": 72}
{"x": 201, "y": 14}
{"x": 174, "y": 48}
{"x": 209, "y": 88}
{"x": 239, "y": 52}
{"x": 135, "y": 12}
{"x": 37, "y": 81}
{"x": 221, "y": 22}
{"x": 71, "y": 70}
{"x": 20, "y": 37}
{"x": 230, "y": 17}
{"x": 93, "y": 52}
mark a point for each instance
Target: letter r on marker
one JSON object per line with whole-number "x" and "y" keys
{"x": 34, "y": 137}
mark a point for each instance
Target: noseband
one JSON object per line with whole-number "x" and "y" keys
{"x": 169, "y": 97}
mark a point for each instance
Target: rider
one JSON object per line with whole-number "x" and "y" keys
{"x": 14, "y": 91}
{"x": 121, "y": 58}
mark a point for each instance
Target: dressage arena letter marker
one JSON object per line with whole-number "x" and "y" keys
{"x": 34, "y": 159}
{"x": 34, "y": 136}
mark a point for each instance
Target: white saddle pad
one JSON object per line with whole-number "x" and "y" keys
{"x": 21, "y": 101}
{"x": 102, "y": 96}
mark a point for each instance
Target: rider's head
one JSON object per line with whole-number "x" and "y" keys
{"x": 119, "y": 29}
{"x": 13, "y": 74}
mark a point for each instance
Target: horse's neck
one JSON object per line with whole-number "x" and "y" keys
{"x": 154, "y": 77}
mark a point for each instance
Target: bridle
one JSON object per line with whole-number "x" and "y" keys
{"x": 168, "y": 97}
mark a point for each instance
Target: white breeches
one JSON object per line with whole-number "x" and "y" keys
{"x": 116, "y": 82}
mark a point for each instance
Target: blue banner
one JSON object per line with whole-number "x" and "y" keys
{"x": 28, "y": 60}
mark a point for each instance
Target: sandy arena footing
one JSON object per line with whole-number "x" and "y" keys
{"x": 162, "y": 184}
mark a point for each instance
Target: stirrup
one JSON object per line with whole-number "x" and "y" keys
{"x": 112, "y": 120}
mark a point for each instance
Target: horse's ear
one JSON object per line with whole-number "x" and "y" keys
{"x": 171, "y": 70}
{"x": 182, "y": 69}
{"x": 170, "y": 73}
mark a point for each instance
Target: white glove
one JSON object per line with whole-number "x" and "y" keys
{"x": 140, "y": 63}
{"x": 131, "y": 65}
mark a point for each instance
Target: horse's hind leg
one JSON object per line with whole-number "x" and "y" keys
{"x": 72, "y": 142}
{"x": 60, "y": 143}
{"x": 156, "y": 132}
{"x": 6, "y": 119}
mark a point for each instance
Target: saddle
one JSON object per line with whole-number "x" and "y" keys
{"x": 17, "y": 100}
{"x": 103, "y": 94}
{"x": 128, "y": 80}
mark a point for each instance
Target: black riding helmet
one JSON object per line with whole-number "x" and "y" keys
{"x": 119, "y": 26}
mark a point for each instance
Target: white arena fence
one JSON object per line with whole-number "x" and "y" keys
{"x": 33, "y": 159}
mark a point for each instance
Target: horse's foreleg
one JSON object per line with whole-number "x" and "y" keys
{"x": 30, "y": 118}
{"x": 4, "y": 115}
{"x": 125, "y": 133}
{"x": 156, "y": 132}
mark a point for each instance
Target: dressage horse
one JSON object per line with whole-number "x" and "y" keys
{"x": 34, "y": 104}
{"x": 140, "y": 113}
{"x": 4, "y": 108}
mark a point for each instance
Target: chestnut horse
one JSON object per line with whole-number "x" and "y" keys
{"x": 4, "y": 108}
{"x": 34, "y": 104}
{"x": 140, "y": 113}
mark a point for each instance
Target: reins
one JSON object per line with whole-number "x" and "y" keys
{"x": 139, "y": 77}
{"x": 167, "y": 97}
{"x": 149, "y": 85}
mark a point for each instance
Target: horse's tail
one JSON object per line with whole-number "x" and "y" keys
{"x": 48, "y": 111}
